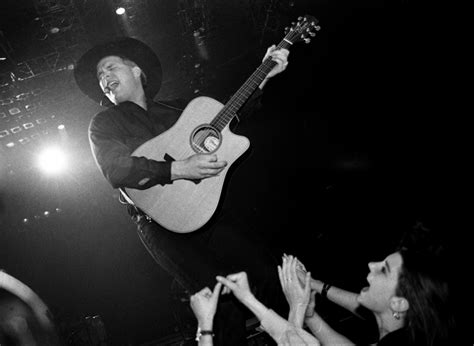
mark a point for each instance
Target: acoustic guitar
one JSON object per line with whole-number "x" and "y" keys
{"x": 186, "y": 205}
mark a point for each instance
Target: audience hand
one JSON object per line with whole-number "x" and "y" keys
{"x": 204, "y": 304}
{"x": 237, "y": 283}
{"x": 301, "y": 272}
{"x": 297, "y": 294}
{"x": 311, "y": 305}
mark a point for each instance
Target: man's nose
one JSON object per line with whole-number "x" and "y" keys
{"x": 104, "y": 74}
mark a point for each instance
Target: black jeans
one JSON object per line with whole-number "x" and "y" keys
{"x": 222, "y": 247}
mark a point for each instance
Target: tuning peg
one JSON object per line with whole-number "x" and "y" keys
{"x": 307, "y": 40}
{"x": 312, "y": 34}
{"x": 317, "y": 28}
{"x": 299, "y": 18}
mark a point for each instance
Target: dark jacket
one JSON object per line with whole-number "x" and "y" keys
{"x": 116, "y": 132}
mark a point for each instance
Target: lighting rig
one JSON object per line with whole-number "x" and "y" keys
{"x": 35, "y": 82}
{"x": 38, "y": 47}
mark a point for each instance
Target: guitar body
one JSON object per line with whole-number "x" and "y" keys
{"x": 184, "y": 206}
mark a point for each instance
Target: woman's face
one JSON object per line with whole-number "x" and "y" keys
{"x": 383, "y": 281}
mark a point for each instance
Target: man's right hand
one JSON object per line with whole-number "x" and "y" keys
{"x": 198, "y": 166}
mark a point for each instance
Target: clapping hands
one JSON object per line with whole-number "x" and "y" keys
{"x": 296, "y": 293}
{"x": 296, "y": 285}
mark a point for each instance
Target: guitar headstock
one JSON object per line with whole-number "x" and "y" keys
{"x": 305, "y": 28}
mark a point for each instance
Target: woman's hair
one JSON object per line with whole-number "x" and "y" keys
{"x": 423, "y": 282}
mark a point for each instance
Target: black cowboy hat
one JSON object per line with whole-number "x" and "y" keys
{"x": 85, "y": 71}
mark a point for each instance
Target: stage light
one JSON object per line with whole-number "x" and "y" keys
{"x": 52, "y": 161}
{"x": 120, "y": 11}
{"x": 61, "y": 127}
{"x": 10, "y": 145}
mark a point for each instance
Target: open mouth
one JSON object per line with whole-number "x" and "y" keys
{"x": 111, "y": 86}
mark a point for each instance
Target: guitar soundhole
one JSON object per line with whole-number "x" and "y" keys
{"x": 205, "y": 139}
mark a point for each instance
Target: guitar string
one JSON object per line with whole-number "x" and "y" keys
{"x": 228, "y": 112}
{"x": 230, "y": 109}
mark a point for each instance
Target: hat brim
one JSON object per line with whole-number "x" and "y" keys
{"x": 85, "y": 71}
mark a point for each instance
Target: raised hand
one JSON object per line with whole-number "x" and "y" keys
{"x": 295, "y": 292}
{"x": 204, "y": 304}
{"x": 237, "y": 283}
{"x": 316, "y": 285}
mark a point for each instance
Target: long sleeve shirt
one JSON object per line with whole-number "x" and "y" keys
{"x": 116, "y": 132}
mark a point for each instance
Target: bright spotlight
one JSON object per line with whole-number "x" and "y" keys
{"x": 120, "y": 11}
{"x": 52, "y": 161}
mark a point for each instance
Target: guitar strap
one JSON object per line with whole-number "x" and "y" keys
{"x": 125, "y": 196}
{"x": 136, "y": 213}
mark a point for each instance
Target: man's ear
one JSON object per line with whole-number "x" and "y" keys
{"x": 399, "y": 304}
{"x": 137, "y": 71}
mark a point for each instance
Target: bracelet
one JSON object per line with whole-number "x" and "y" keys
{"x": 200, "y": 333}
{"x": 324, "y": 291}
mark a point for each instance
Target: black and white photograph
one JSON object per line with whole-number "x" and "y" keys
{"x": 239, "y": 172}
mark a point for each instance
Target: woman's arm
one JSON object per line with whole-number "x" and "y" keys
{"x": 324, "y": 333}
{"x": 343, "y": 298}
{"x": 204, "y": 305}
{"x": 277, "y": 327}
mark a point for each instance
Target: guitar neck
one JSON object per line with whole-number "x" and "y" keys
{"x": 238, "y": 99}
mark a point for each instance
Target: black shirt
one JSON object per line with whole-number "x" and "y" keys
{"x": 116, "y": 132}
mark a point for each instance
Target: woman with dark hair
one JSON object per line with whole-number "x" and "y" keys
{"x": 422, "y": 283}
{"x": 407, "y": 295}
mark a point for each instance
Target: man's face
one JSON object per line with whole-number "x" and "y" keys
{"x": 383, "y": 281}
{"x": 118, "y": 79}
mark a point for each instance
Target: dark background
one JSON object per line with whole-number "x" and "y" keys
{"x": 351, "y": 148}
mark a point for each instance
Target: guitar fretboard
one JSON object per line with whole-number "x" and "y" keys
{"x": 238, "y": 99}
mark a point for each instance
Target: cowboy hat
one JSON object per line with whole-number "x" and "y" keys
{"x": 85, "y": 71}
